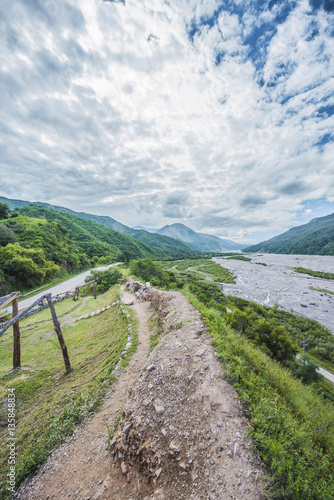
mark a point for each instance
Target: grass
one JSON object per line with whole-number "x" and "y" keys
{"x": 49, "y": 402}
{"x": 197, "y": 267}
{"x": 239, "y": 257}
{"x": 113, "y": 429}
{"x": 316, "y": 274}
{"x": 290, "y": 424}
{"x": 323, "y": 290}
{"x": 155, "y": 337}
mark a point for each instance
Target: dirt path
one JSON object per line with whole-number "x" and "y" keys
{"x": 182, "y": 433}
{"x": 81, "y": 467}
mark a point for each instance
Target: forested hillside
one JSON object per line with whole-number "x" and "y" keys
{"x": 166, "y": 246}
{"x": 37, "y": 244}
{"x": 314, "y": 238}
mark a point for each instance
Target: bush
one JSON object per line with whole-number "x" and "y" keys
{"x": 105, "y": 279}
{"x": 154, "y": 272}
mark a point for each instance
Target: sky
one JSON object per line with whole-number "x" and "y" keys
{"x": 218, "y": 114}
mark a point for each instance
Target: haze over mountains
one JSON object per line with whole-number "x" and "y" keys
{"x": 199, "y": 241}
{"x": 314, "y": 238}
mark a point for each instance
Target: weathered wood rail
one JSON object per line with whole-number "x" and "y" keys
{"x": 16, "y": 316}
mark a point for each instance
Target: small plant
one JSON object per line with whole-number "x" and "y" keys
{"x": 113, "y": 429}
{"x": 179, "y": 325}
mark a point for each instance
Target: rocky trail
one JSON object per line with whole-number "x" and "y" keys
{"x": 182, "y": 430}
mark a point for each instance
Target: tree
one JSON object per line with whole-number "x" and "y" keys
{"x": 7, "y": 235}
{"x": 25, "y": 267}
{"x": 125, "y": 257}
{"x": 4, "y": 211}
{"x": 105, "y": 279}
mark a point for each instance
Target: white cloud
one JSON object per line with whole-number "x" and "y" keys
{"x": 114, "y": 109}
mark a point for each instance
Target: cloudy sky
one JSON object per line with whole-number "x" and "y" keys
{"x": 215, "y": 113}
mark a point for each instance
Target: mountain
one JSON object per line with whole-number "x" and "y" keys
{"x": 160, "y": 246}
{"x": 148, "y": 229}
{"x": 314, "y": 238}
{"x": 199, "y": 241}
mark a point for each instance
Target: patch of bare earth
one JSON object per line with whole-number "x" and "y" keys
{"x": 182, "y": 432}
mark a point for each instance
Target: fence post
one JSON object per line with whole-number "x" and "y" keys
{"x": 16, "y": 336}
{"x": 59, "y": 333}
{"x": 94, "y": 290}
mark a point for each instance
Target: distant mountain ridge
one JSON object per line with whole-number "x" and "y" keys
{"x": 314, "y": 238}
{"x": 198, "y": 241}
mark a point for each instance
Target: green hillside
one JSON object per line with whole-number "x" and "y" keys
{"x": 93, "y": 238}
{"x": 161, "y": 246}
{"x": 314, "y": 238}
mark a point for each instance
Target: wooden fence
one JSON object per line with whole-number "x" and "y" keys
{"x": 16, "y": 316}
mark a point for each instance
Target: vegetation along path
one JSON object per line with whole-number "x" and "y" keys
{"x": 182, "y": 429}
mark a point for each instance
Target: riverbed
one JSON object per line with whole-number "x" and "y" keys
{"x": 275, "y": 283}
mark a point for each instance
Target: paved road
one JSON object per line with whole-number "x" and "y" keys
{"x": 66, "y": 286}
{"x": 328, "y": 375}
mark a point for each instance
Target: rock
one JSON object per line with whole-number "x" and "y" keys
{"x": 164, "y": 432}
{"x": 174, "y": 447}
{"x": 159, "y": 409}
{"x": 150, "y": 368}
{"x": 128, "y": 303}
{"x": 242, "y": 489}
{"x": 201, "y": 352}
{"x": 126, "y": 428}
{"x": 123, "y": 468}
{"x": 236, "y": 449}
{"x": 158, "y": 472}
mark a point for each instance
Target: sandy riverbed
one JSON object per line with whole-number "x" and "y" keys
{"x": 275, "y": 283}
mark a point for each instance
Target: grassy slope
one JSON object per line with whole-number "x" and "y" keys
{"x": 49, "y": 402}
{"x": 291, "y": 426}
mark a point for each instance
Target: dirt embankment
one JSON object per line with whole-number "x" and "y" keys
{"x": 182, "y": 432}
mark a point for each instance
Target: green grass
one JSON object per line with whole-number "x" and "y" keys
{"x": 239, "y": 257}
{"x": 92, "y": 305}
{"x": 323, "y": 290}
{"x": 290, "y": 424}
{"x": 156, "y": 330}
{"x": 197, "y": 267}
{"x": 49, "y": 401}
{"x": 316, "y": 274}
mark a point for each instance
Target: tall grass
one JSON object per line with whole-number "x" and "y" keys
{"x": 291, "y": 426}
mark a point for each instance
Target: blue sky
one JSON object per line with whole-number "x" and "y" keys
{"x": 217, "y": 114}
